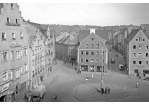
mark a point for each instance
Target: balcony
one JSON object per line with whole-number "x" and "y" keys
{"x": 12, "y": 24}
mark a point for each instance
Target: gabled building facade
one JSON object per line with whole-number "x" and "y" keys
{"x": 90, "y": 53}
{"x": 66, "y": 49}
{"x": 137, "y": 52}
{"x": 13, "y": 53}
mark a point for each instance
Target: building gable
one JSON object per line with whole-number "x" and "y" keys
{"x": 91, "y": 39}
{"x": 141, "y": 35}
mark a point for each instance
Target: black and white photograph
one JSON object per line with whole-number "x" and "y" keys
{"x": 74, "y": 52}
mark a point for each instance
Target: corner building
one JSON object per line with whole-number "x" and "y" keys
{"x": 13, "y": 53}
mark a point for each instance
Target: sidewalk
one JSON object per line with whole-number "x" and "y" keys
{"x": 47, "y": 81}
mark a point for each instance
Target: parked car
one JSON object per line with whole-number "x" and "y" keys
{"x": 36, "y": 94}
{"x": 112, "y": 60}
{"x": 121, "y": 67}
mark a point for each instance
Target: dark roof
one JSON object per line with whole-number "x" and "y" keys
{"x": 83, "y": 34}
{"x": 124, "y": 30}
{"x": 42, "y": 28}
{"x": 68, "y": 40}
{"x": 131, "y": 35}
{"x": 102, "y": 33}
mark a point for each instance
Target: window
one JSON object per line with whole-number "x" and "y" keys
{"x": 25, "y": 51}
{"x": 17, "y": 21}
{"x": 3, "y": 36}
{"x": 86, "y": 60}
{"x": 134, "y": 54}
{"x": 87, "y": 45}
{"x": 146, "y": 54}
{"x": 140, "y": 62}
{"x": 134, "y": 62}
{"x": 92, "y": 53}
{"x": 86, "y": 52}
{"x": 5, "y": 56}
{"x": 21, "y": 52}
{"x": 21, "y": 35}
{"x": 13, "y": 36}
{"x": 81, "y": 52}
{"x": 21, "y": 69}
{"x": 136, "y": 39}
{"x": 8, "y": 20}
{"x": 18, "y": 73}
{"x": 147, "y": 62}
{"x": 1, "y": 10}
{"x": 140, "y": 38}
{"x": 134, "y": 46}
{"x": 146, "y": 46}
{"x": 143, "y": 39}
{"x": 92, "y": 39}
{"x": 11, "y": 54}
{"x": 25, "y": 68}
{"x": 5, "y": 76}
{"x": 92, "y": 60}
{"x": 97, "y": 46}
{"x": 92, "y": 45}
{"x": 12, "y": 6}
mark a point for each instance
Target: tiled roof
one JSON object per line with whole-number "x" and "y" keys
{"x": 131, "y": 35}
{"x": 41, "y": 27}
{"x": 101, "y": 33}
{"x": 68, "y": 40}
{"x": 124, "y": 30}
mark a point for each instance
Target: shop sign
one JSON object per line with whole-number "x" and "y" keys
{"x": 4, "y": 88}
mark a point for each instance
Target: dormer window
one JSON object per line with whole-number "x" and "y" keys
{"x": 92, "y": 39}
{"x": 12, "y": 6}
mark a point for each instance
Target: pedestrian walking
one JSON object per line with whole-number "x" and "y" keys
{"x": 75, "y": 69}
{"x": 102, "y": 91}
{"x": 137, "y": 85}
{"x": 108, "y": 90}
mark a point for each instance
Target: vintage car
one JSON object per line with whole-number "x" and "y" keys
{"x": 36, "y": 94}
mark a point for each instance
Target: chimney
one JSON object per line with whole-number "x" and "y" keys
{"x": 92, "y": 31}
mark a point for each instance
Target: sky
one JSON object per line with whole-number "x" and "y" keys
{"x": 100, "y": 14}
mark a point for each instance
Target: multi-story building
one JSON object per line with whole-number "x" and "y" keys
{"x": 92, "y": 52}
{"x": 41, "y": 53}
{"x": 49, "y": 51}
{"x": 137, "y": 52}
{"x": 66, "y": 49}
{"x": 14, "y": 53}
